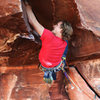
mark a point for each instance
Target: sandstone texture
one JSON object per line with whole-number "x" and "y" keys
{"x": 20, "y": 77}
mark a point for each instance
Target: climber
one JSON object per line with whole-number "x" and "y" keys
{"x": 53, "y": 45}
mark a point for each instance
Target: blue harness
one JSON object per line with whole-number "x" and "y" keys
{"x": 50, "y": 73}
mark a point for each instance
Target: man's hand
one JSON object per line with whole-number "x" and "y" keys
{"x": 27, "y": 4}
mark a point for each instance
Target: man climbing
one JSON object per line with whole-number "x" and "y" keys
{"x": 53, "y": 45}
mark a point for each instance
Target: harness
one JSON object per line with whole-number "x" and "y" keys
{"x": 50, "y": 73}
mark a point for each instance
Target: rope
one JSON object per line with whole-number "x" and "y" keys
{"x": 72, "y": 87}
{"x": 62, "y": 67}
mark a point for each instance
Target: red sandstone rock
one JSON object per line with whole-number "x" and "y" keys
{"x": 89, "y": 15}
{"x": 7, "y": 83}
{"x": 83, "y": 41}
{"x": 84, "y": 45}
{"x": 81, "y": 90}
{"x": 30, "y": 85}
{"x": 9, "y": 7}
{"x": 90, "y": 70}
{"x": 7, "y": 37}
{"x": 57, "y": 89}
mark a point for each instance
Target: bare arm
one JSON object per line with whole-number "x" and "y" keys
{"x": 33, "y": 21}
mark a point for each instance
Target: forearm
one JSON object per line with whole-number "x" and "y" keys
{"x": 31, "y": 17}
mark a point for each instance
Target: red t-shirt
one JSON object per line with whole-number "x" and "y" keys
{"x": 52, "y": 49}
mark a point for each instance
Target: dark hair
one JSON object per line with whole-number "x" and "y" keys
{"x": 67, "y": 30}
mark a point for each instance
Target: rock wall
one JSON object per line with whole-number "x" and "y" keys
{"x": 17, "y": 53}
{"x": 89, "y": 15}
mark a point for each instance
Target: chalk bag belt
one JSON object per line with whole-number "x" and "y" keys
{"x": 50, "y": 73}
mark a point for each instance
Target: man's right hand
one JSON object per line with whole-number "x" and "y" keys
{"x": 26, "y": 2}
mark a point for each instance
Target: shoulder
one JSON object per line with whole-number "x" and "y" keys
{"x": 47, "y": 34}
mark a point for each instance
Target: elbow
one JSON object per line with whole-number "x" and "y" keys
{"x": 30, "y": 21}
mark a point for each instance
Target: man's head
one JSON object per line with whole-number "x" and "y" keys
{"x": 63, "y": 30}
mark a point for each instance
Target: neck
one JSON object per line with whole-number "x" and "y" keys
{"x": 56, "y": 34}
